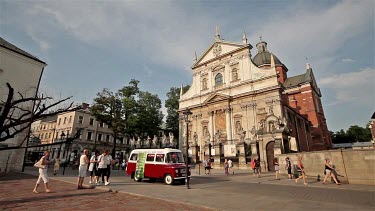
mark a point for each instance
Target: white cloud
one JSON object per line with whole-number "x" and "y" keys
{"x": 355, "y": 87}
{"x": 347, "y": 60}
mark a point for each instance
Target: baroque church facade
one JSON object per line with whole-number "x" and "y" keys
{"x": 246, "y": 106}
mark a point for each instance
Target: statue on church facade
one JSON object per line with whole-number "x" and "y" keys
{"x": 155, "y": 141}
{"x": 195, "y": 138}
{"x": 164, "y": 140}
{"x": 208, "y": 137}
{"x": 171, "y": 139}
{"x": 218, "y": 137}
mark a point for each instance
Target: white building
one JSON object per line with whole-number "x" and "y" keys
{"x": 23, "y": 72}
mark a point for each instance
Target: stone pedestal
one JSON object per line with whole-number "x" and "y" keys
{"x": 241, "y": 156}
{"x": 217, "y": 149}
{"x": 195, "y": 153}
{"x": 254, "y": 150}
{"x": 277, "y": 147}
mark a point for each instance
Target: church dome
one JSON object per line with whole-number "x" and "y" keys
{"x": 263, "y": 57}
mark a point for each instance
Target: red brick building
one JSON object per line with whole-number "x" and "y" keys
{"x": 301, "y": 97}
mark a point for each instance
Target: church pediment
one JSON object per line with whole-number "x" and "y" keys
{"x": 217, "y": 49}
{"x": 216, "y": 98}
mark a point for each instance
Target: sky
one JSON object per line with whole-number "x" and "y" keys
{"x": 91, "y": 45}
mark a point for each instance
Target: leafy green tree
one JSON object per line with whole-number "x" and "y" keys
{"x": 359, "y": 134}
{"x": 149, "y": 115}
{"x": 128, "y": 98}
{"x": 108, "y": 109}
{"x": 172, "y": 104}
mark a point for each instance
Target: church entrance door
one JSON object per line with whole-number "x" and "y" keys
{"x": 270, "y": 155}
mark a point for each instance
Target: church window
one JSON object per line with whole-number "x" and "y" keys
{"x": 234, "y": 74}
{"x": 218, "y": 79}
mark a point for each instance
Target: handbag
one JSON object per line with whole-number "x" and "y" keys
{"x": 39, "y": 164}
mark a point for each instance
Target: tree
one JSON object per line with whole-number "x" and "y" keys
{"x": 149, "y": 115}
{"x": 355, "y": 133}
{"x": 108, "y": 109}
{"x": 128, "y": 95}
{"x": 172, "y": 105}
{"x": 359, "y": 134}
{"x": 16, "y": 117}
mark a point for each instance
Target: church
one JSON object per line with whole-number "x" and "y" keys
{"x": 242, "y": 106}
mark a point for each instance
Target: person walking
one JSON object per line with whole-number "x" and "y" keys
{"x": 43, "y": 173}
{"x": 301, "y": 170}
{"x": 277, "y": 167}
{"x": 82, "y": 169}
{"x": 226, "y": 167}
{"x": 257, "y": 166}
{"x": 329, "y": 172}
{"x": 207, "y": 166}
{"x": 253, "y": 166}
{"x": 109, "y": 162}
{"x": 230, "y": 164}
{"x": 102, "y": 168}
{"x": 56, "y": 166}
{"x": 288, "y": 167}
{"x": 93, "y": 167}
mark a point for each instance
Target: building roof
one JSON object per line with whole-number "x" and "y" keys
{"x": 50, "y": 119}
{"x": 264, "y": 58}
{"x": 295, "y": 80}
{"x": 11, "y": 47}
{"x": 373, "y": 116}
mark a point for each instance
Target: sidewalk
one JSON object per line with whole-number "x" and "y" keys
{"x": 16, "y": 194}
{"x": 270, "y": 178}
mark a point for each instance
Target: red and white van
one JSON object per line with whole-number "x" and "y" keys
{"x": 167, "y": 164}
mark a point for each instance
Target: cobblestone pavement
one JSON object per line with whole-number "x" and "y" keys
{"x": 16, "y": 194}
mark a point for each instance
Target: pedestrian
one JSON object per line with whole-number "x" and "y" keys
{"x": 109, "y": 163}
{"x": 226, "y": 167}
{"x": 93, "y": 167}
{"x": 288, "y": 167}
{"x": 253, "y": 165}
{"x": 257, "y": 166}
{"x": 277, "y": 167}
{"x": 102, "y": 168}
{"x": 230, "y": 164}
{"x": 56, "y": 166}
{"x": 82, "y": 169}
{"x": 123, "y": 164}
{"x": 301, "y": 170}
{"x": 44, "y": 161}
{"x": 207, "y": 166}
{"x": 329, "y": 171}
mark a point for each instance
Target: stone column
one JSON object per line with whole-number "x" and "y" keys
{"x": 242, "y": 156}
{"x": 217, "y": 148}
{"x": 211, "y": 126}
{"x": 194, "y": 151}
{"x": 228, "y": 125}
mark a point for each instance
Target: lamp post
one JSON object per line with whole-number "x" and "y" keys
{"x": 187, "y": 112}
{"x": 62, "y": 136}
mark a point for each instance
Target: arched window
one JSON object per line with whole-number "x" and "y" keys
{"x": 218, "y": 79}
{"x": 234, "y": 74}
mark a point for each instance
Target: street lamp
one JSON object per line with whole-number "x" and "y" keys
{"x": 62, "y": 136}
{"x": 187, "y": 112}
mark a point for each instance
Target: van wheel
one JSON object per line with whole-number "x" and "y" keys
{"x": 168, "y": 179}
{"x": 137, "y": 179}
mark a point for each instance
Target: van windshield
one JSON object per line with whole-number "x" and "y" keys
{"x": 174, "y": 157}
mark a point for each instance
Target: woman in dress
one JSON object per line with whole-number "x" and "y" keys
{"x": 301, "y": 170}
{"x": 43, "y": 173}
{"x": 329, "y": 171}
{"x": 277, "y": 167}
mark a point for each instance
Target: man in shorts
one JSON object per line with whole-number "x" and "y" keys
{"x": 230, "y": 165}
{"x": 82, "y": 170}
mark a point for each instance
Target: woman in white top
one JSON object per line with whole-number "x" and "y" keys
{"x": 93, "y": 167}
{"x": 43, "y": 173}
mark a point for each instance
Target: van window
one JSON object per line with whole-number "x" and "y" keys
{"x": 174, "y": 157}
{"x": 134, "y": 157}
{"x": 159, "y": 158}
{"x": 150, "y": 157}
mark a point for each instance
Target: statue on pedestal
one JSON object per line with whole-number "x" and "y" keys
{"x": 171, "y": 139}
{"x": 242, "y": 133}
{"x": 148, "y": 141}
{"x": 164, "y": 140}
{"x": 218, "y": 136}
{"x": 132, "y": 142}
{"x": 139, "y": 142}
{"x": 208, "y": 138}
{"x": 195, "y": 138}
{"x": 155, "y": 140}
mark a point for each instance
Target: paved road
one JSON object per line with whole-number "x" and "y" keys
{"x": 243, "y": 191}
{"x": 16, "y": 194}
